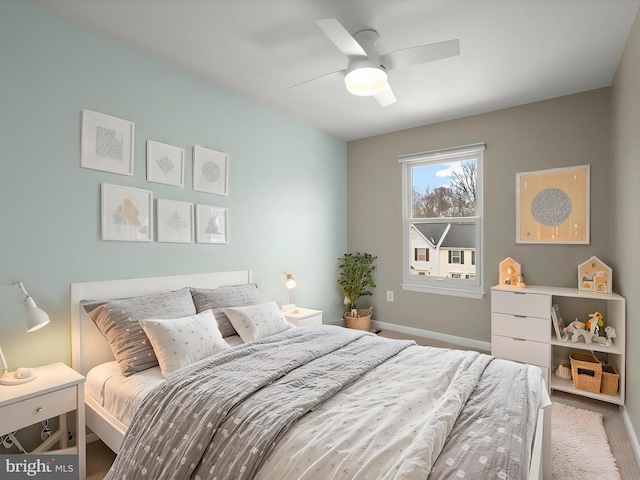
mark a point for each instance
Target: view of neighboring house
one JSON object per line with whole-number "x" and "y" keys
{"x": 443, "y": 249}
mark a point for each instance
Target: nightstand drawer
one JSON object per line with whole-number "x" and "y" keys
{"x": 525, "y": 351}
{"x": 311, "y": 321}
{"x": 37, "y": 409}
{"x": 518, "y": 303}
{"x": 527, "y": 328}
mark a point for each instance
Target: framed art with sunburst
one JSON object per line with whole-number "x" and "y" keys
{"x": 552, "y": 206}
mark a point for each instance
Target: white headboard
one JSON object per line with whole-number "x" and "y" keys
{"x": 88, "y": 346}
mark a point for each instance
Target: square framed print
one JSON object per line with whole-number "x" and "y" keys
{"x": 552, "y": 206}
{"x": 126, "y": 213}
{"x": 165, "y": 164}
{"x": 106, "y": 143}
{"x": 210, "y": 170}
{"x": 174, "y": 221}
{"x": 211, "y": 224}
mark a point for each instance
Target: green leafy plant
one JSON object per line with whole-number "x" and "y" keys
{"x": 356, "y": 276}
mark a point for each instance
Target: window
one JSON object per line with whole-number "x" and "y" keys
{"x": 442, "y": 221}
{"x": 455, "y": 256}
{"x": 421, "y": 254}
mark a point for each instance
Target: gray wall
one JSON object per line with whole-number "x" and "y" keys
{"x": 287, "y": 183}
{"x": 562, "y": 132}
{"x": 624, "y": 197}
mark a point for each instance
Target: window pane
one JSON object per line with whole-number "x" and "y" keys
{"x": 444, "y": 189}
{"x": 444, "y": 244}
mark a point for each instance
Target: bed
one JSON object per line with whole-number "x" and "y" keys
{"x": 375, "y": 402}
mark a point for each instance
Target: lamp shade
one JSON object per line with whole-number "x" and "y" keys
{"x": 290, "y": 281}
{"x": 36, "y": 318}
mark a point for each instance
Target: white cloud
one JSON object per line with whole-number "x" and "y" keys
{"x": 451, "y": 168}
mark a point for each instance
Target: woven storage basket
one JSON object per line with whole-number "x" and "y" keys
{"x": 610, "y": 378}
{"x": 587, "y": 371}
{"x": 361, "y": 322}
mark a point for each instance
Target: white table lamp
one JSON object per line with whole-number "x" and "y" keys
{"x": 34, "y": 319}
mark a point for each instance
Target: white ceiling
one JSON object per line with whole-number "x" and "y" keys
{"x": 512, "y": 52}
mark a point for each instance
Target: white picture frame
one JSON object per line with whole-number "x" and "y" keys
{"x": 106, "y": 143}
{"x": 165, "y": 164}
{"x": 174, "y": 221}
{"x": 126, "y": 213}
{"x": 210, "y": 170}
{"x": 211, "y": 224}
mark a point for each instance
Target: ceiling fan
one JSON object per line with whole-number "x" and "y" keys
{"x": 366, "y": 72}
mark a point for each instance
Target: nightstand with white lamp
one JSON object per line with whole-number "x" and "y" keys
{"x": 301, "y": 317}
{"x": 32, "y": 395}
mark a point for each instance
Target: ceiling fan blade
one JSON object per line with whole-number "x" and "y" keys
{"x": 385, "y": 96}
{"x": 339, "y": 75}
{"x": 341, "y": 38}
{"x": 422, "y": 54}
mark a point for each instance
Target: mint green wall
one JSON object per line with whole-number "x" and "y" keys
{"x": 287, "y": 183}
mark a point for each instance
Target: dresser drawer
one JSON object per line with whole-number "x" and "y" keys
{"x": 525, "y": 351}
{"x": 519, "y": 303}
{"x": 37, "y": 409}
{"x": 527, "y": 328}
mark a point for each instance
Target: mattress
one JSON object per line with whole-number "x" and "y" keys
{"x": 121, "y": 396}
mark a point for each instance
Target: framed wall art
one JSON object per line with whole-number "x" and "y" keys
{"x": 106, "y": 143}
{"x": 126, "y": 213}
{"x": 211, "y": 224}
{"x": 552, "y": 206}
{"x": 165, "y": 164}
{"x": 174, "y": 221}
{"x": 210, "y": 170}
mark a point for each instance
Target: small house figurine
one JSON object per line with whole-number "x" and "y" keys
{"x": 509, "y": 273}
{"x": 594, "y": 276}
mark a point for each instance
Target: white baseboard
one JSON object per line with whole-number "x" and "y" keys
{"x": 631, "y": 431}
{"x": 418, "y": 332}
{"x": 441, "y": 337}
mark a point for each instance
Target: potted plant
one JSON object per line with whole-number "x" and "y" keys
{"x": 356, "y": 276}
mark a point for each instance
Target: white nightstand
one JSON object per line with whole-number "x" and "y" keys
{"x": 57, "y": 390}
{"x": 304, "y": 317}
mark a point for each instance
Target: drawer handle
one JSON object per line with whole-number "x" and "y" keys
{"x": 39, "y": 409}
{"x": 520, "y": 339}
{"x": 520, "y": 316}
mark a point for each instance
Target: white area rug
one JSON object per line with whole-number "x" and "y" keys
{"x": 580, "y": 447}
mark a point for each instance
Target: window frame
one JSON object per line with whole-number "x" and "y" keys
{"x": 473, "y": 287}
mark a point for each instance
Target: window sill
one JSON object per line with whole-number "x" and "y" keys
{"x": 471, "y": 292}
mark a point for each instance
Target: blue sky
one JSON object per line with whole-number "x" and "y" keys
{"x": 436, "y": 175}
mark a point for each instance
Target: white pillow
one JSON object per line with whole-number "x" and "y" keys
{"x": 181, "y": 341}
{"x": 254, "y": 322}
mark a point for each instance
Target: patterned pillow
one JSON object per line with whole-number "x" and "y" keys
{"x": 118, "y": 322}
{"x": 182, "y": 341}
{"x": 221, "y": 297}
{"x": 257, "y": 321}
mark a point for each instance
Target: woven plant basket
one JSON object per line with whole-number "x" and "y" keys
{"x": 610, "y": 378}
{"x": 587, "y": 371}
{"x": 361, "y": 322}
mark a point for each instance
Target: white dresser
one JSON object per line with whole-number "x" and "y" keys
{"x": 521, "y": 327}
{"x": 521, "y": 330}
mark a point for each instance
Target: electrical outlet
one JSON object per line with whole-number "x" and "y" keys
{"x": 389, "y": 295}
{"x": 70, "y": 435}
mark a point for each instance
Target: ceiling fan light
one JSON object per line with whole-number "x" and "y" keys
{"x": 365, "y": 81}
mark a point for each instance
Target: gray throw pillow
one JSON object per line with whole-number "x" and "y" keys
{"x": 222, "y": 297}
{"x": 118, "y": 320}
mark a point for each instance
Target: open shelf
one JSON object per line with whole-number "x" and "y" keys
{"x": 563, "y": 385}
{"x": 593, "y": 347}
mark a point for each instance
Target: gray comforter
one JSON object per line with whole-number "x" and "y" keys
{"x": 253, "y": 393}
